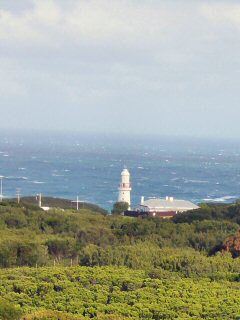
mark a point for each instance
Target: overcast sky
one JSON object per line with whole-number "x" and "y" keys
{"x": 134, "y": 66}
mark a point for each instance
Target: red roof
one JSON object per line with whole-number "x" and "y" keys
{"x": 163, "y": 214}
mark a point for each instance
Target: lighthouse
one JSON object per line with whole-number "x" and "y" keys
{"x": 124, "y": 189}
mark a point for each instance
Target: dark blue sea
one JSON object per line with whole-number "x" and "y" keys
{"x": 89, "y": 166}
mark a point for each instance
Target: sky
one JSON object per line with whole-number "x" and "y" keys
{"x": 149, "y": 67}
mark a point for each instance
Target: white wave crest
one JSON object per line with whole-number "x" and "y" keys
{"x": 221, "y": 199}
{"x": 37, "y": 182}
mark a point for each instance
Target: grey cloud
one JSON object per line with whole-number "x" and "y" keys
{"x": 170, "y": 67}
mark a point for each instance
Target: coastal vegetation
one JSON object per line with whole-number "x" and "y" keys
{"x": 119, "y": 293}
{"x": 68, "y": 264}
{"x": 120, "y": 207}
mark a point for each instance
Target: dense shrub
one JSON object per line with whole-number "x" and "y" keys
{"x": 146, "y": 268}
{"x": 51, "y": 315}
{"x": 32, "y": 237}
{"x": 8, "y": 311}
{"x": 118, "y": 293}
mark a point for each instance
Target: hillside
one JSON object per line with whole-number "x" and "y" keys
{"x": 60, "y": 203}
{"x": 86, "y": 264}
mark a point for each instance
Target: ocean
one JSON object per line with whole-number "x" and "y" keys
{"x": 89, "y": 166}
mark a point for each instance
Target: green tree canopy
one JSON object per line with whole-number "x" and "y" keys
{"x": 120, "y": 207}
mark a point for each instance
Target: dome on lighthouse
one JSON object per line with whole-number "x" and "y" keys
{"x": 125, "y": 172}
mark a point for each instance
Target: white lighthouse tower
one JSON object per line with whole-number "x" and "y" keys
{"x": 124, "y": 189}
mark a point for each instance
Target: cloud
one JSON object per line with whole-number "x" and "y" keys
{"x": 101, "y": 58}
{"x": 32, "y": 26}
{"x": 156, "y": 30}
{"x": 112, "y": 21}
{"x": 47, "y": 22}
{"x": 222, "y": 14}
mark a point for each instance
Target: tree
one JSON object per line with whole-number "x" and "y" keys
{"x": 120, "y": 207}
{"x": 232, "y": 245}
{"x": 60, "y": 248}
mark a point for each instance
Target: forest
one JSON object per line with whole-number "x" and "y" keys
{"x": 68, "y": 264}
